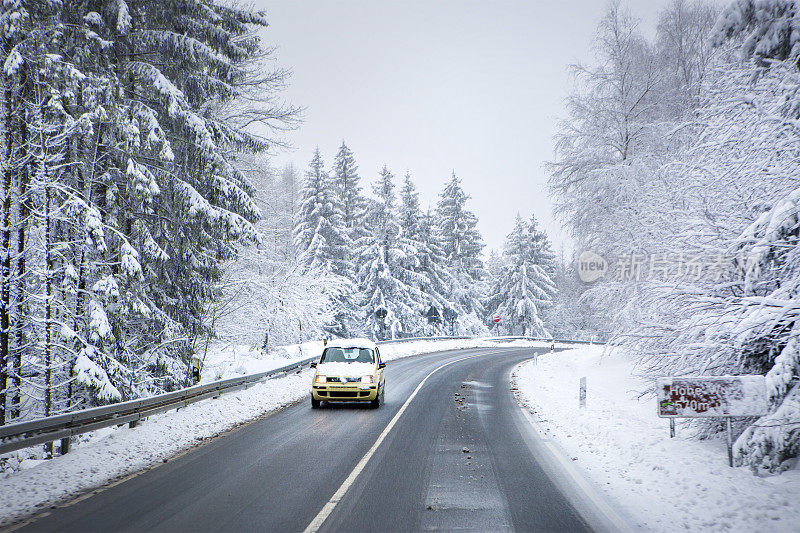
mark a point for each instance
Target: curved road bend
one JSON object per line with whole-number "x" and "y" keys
{"x": 277, "y": 474}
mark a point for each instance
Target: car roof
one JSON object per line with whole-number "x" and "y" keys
{"x": 351, "y": 343}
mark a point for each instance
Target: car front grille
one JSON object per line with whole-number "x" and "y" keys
{"x": 342, "y": 379}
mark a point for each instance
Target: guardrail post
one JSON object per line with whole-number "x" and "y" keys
{"x": 65, "y": 442}
{"x": 133, "y": 424}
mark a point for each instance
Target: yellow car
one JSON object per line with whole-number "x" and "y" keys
{"x": 349, "y": 370}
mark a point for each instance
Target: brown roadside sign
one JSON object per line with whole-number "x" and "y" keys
{"x": 709, "y": 396}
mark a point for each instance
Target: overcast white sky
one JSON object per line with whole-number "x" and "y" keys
{"x": 431, "y": 86}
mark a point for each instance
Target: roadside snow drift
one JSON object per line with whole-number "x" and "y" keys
{"x": 624, "y": 448}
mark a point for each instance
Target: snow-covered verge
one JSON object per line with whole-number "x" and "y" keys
{"x": 102, "y": 456}
{"x": 228, "y": 360}
{"x": 625, "y": 449}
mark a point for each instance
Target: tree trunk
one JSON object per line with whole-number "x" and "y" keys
{"x": 16, "y": 400}
{"x": 5, "y": 268}
{"x": 48, "y": 341}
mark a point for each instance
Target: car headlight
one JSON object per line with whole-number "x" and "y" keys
{"x": 320, "y": 379}
{"x": 367, "y": 379}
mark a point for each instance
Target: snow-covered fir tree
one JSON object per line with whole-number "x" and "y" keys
{"x": 524, "y": 288}
{"x": 409, "y": 211}
{"x": 124, "y": 196}
{"x": 321, "y": 238}
{"x": 462, "y": 245}
{"x": 435, "y": 281}
{"x": 319, "y": 233}
{"x": 348, "y": 188}
{"x": 387, "y": 274}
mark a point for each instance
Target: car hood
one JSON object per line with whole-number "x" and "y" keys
{"x": 345, "y": 369}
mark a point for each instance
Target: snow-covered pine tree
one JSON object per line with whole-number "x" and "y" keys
{"x": 542, "y": 250}
{"x": 319, "y": 233}
{"x": 41, "y": 89}
{"x": 12, "y": 33}
{"x": 348, "y": 187}
{"x": 524, "y": 288}
{"x": 495, "y": 264}
{"x": 321, "y": 238}
{"x": 124, "y": 195}
{"x": 461, "y": 244}
{"x": 769, "y": 332}
{"x": 435, "y": 281}
{"x": 409, "y": 210}
{"x": 190, "y": 65}
{"x": 767, "y": 28}
{"x": 387, "y": 267}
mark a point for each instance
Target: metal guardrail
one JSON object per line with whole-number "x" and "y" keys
{"x": 409, "y": 339}
{"x": 30, "y": 433}
{"x": 541, "y": 339}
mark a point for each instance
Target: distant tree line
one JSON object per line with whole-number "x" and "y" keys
{"x": 392, "y": 268}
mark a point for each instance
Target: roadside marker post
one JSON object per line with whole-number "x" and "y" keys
{"x": 730, "y": 441}
{"x": 711, "y": 397}
{"x": 582, "y": 393}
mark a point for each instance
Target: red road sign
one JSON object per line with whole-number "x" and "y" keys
{"x": 496, "y": 318}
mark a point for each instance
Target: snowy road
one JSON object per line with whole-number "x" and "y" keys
{"x": 460, "y": 456}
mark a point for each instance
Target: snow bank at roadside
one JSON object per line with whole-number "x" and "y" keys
{"x": 624, "y": 448}
{"x": 227, "y": 360}
{"x": 104, "y": 455}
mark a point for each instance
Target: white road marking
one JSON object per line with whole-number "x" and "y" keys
{"x": 339, "y": 494}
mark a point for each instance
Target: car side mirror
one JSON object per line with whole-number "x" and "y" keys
{"x": 381, "y": 365}
{"x": 313, "y": 365}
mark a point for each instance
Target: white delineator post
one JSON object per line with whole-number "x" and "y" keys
{"x": 730, "y": 442}
{"x": 582, "y": 393}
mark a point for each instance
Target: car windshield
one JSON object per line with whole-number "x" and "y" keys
{"x": 347, "y": 355}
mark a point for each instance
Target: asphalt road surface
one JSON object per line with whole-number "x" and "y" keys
{"x": 461, "y": 456}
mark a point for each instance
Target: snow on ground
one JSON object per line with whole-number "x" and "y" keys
{"x": 624, "y": 448}
{"x": 105, "y": 455}
{"x": 227, "y": 360}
